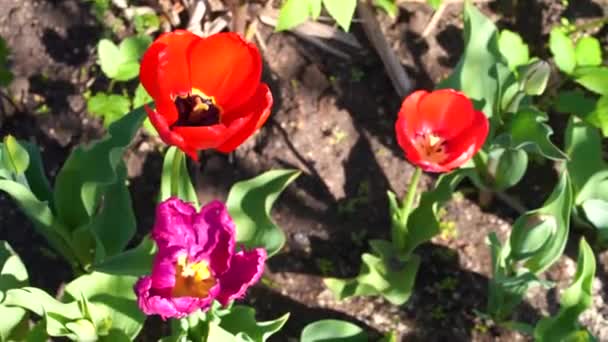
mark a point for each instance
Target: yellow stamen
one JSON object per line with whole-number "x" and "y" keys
{"x": 192, "y": 279}
{"x": 430, "y": 147}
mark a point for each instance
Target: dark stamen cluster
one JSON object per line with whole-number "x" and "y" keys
{"x": 195, "y": 110}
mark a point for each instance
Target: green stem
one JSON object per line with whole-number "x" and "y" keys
{"x": 175, "y": 172}
{"x": 406, "y": 207}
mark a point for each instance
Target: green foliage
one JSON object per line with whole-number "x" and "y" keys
{"x": 588, "y": 52}
{"x": 121, "y": 62}
{"x": 513, "y": 48}
{"x": 12, "y": 275}
{"x": 434, "y": 3}
{"x": 529, "y": 131}
{"x": 574, "y": 300}
{"x": 240, "y": 322}
{"x": 388, "y": 6}
{"x": 534, "y": 77}
{"x": 249, "y": 203}
{"x": 341, "y": 10}
{"x": 594, "y": 78}
{"x": 5, "y": 75}
{"x": 175, "y": 179}
{"x": 332, "y": 330}
{"x": 563, "y": 50}
{"x": 506, "y": 167}
{"x": 15, "y": 157}
{"x": 146, "y": 22}
{"x": 295, "y": 12}
{"x": 110, "y": 107}
{"x": 592, "y": 111}
{"x": 134, "y": 262}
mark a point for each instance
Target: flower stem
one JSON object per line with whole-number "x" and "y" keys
{"x": 408, "y": 201}
{"x": 175, "y": 172}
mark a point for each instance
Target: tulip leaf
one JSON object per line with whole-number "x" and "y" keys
{"x": 534, "y": 77}
{"x": 332, "y": 330}
{"x": 110, "y": 107}
{"x": 588, "y": 52}
{"x": 513, "y": 48}
{"x": 558, "y": 206}
{"x": 141, "y": 98}
{"x": 12, "y": 275}
{"x": 596, "y": 211}
{"x": 36, "y": 178}
{"x": 112, "y": 294}
{"x": 506, "y": 166}
{"x": 175, "y": 179}
{"x": 563, "y": 50}
{"x": 530, "y": 233}
{"x": 240, "y": 321}
{"x": 593, "y": 112}
{"x": 134, "y": 262}
{"x": 476, "y": 74}
{"x": 14, "y": 156}
{"x": 529, "y": 131}
{"x": 342, "y": 11}
{"x": 249, "y": 203}
{"x": 582, "y": 141}
{"x": 574, "y": 301}
{"x": 295, "y": 12}
{"x": 89, "y": 171}
{"x": 594, "y": 78}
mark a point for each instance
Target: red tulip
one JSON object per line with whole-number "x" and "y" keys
{"x": 440, "y": 130}
{"x": 207, "y": 91}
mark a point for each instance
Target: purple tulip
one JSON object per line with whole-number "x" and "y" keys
{"x": 196, "y": 261}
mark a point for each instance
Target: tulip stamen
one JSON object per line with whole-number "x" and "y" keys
{"x": 430, "y": 147}
{"x": 192, "y": 279}
{"x": 196, "y": 109}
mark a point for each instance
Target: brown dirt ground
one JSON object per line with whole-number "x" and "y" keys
{"x": 333, "y": 119}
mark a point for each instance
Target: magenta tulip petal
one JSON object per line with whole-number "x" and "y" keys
{"x": 245, "y": 270}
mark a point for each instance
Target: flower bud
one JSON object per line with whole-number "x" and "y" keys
{"x": 534, "y": 77}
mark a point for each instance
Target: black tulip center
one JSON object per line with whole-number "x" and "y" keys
{"x": 196, "y": 110}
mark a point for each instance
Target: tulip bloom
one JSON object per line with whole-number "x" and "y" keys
{"x": 196, "y": 261}
{"x": 440, "y": 130}
{"x": 207, "y": 91}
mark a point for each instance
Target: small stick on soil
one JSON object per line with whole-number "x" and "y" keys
{"x": 197, "y": 12}
{"x": 430, "y": 27}
{"x": 397, "y": 74}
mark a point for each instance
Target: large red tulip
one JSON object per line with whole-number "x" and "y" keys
{"x": 440, "y": 130}
{"x": 207, "y": 91}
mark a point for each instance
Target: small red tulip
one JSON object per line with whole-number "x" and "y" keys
{"x": 439, "y": 131}
{"x": 207, "y": 91}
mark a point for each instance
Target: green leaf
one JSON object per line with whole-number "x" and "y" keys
{"x": 332, "y": 330}
{"x": 530, "y": 233}
{"x": 388, "y": 6}
{"x": 435, "y": 3}
{"x": 89, "y": 171}
{"x": 141, "y": 98}
{"x": 591, "y": 111}
{"x": 175, "y": 179}
{"x": 342, "y": 11}
{"x": 563, "y": 50}
{"x": 113, "y": 294}
{"x": 36, "y": 178}
{"x": 588, "y": 52}
{"x": 558, "y": 205}
{"x": 529, "y": 131}
{"x": 14, "y": 156}
{"x": 594, "y": 79}
{"x": 146, "y": 22}
{"x": 295, "y": 12}
{"x": 506, "y": 166}
{"x": 121, "y": 62}
{"x": 596, "y": 211}
{"x": 582, "y": 141}
{"x": 109, "y": 57}
{"x": 110, "y": 107}
{"x": 574, "y": 300}
{"x": 513, "y": 48}
{"x": 12, "y": 275}
{"x": 240, "y": 321}
{"x": 249, "y": 203}
{"x": 534, "y": 77}
{"x": 134, "y": 262}
{"x": 481, "y": 57}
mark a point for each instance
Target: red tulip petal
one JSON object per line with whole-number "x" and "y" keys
{"x": 444, "y": 112}
{"x": 462, "y": 147}
{"x": 148, "y": 70}
{"x": 258, "y": 110}
{"x": 409, "y": 112}
{"x": 202, "y": 137}
{"x": 226, "y": 67}
{"x": 403, "y": 139}
{"x": 159, "y": 122}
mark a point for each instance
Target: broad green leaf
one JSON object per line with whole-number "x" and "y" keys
{"x": 593, "y": 112}
{"x": 558, "y": 205}
{"x": 133, "y": 48}
{"x": 109, "y": 57}
{"x": 506, "y": 166}
{"x": 295, "y": 12}
{"x": 14, "y": 156}
{"x": 529, "y": 131}
{"x": 423, "y": 223}
{"x": 332, "y": 330}
{"x": 240, "y": 321}
{"x": 12, "y": 275}
{"x": 133, "y": 262}
{"x": 588, "y": 52}
{"x": 388, "y": 6}
{"x": 563, "y": 50}
{"x": 596, "y": 211}
{"x": 513, "y": 48}
{"x": 175, "y": 179}
{"x": 574, "y": 300}
{"x": 249, "y": 203}
{"x": 113, "y": 295}
{"x": 594, "y": 79}
{"x": 595, "y": 186}
{"x": 36, "y": 178}
{"x": 141, "y": 98}
{"x": 110, "y": 107}
{"x": 434, "y": 3}
{"x": 530, "y": 233}
{"x": 582, "y": 141}
{"x": 342, "y": 11}
{"x": 89, "y": 171}
{"x": 477, "y": 71}
{"x": 146, "y": 22}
